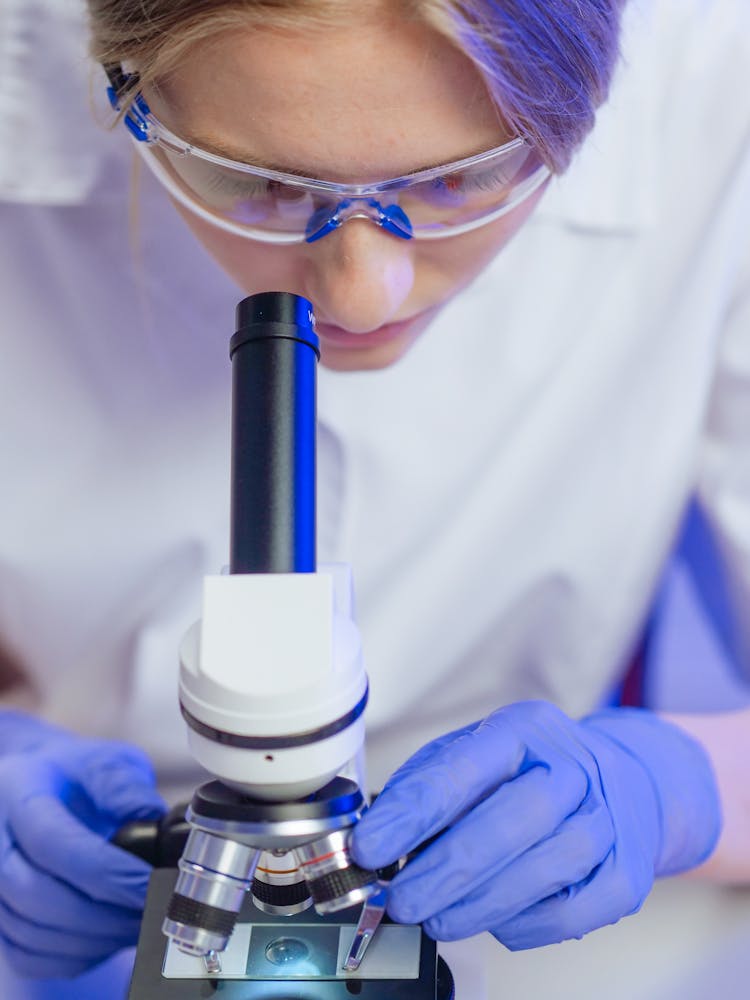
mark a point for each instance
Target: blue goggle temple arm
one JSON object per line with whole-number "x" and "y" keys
{"x": 136, "y": 117}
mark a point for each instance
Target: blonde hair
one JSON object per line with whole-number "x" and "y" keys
{"x": 547, "y": 63}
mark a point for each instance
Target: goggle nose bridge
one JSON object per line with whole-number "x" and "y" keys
{"x": 392, "y": 218}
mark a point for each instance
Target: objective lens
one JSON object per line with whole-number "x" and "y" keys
{"x": 278, "y": 885}
{"x": 214, "y": 875}
{"x": 286, "y": 951}
{"x": 333, "y": 880}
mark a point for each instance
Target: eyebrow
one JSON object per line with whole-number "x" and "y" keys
{"x": 229, "y": 152}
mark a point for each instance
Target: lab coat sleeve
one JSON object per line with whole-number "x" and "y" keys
{"x": 55, "y": 146}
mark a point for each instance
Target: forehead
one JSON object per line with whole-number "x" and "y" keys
{"x": 359, "y": 100}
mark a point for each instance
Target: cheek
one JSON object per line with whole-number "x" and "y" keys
{"x": 460, "y": 259}
{"x": 254, "y": 266}
{"x": 497, "y": 234}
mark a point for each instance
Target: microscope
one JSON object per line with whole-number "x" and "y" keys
{"x": 254, "y": 895}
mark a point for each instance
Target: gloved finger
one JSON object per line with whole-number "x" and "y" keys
{"x": 521, "y": 813}
{"x": 40, "y": 898}
{"x": 56, "y": 842}
{"x": 118, "y": 778}
{"x": 610, "y": 892}
{"x": 413, "y": 807}
{"x": 63, "y": 942}
{"x": 566, "y": 858}
{"x": 37, "y": 965}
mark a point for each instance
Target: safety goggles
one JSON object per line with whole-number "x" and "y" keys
{"x": 277, "y": 207}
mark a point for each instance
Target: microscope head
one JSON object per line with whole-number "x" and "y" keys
{"x": 272, "y": 685}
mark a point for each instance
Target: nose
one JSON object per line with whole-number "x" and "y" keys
{"x": 360, "y": 276}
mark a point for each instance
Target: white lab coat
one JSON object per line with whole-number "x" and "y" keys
{"x": 506, "y": 494}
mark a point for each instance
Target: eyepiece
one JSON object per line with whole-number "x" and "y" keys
{"x": 275, "y": 314}
{"x": 274, "y": 356}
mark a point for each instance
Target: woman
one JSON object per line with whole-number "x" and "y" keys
{"x": 529, "y": 370}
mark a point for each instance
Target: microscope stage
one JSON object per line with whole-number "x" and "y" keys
{"x": 295, "y": 958}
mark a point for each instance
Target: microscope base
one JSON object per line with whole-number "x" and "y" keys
{"x": 287, "y": 958}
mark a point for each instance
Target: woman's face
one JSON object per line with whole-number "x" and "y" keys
{"x": 355, "y": 103}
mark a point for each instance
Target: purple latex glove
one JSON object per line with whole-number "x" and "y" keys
{"x": 551, "y": 827}
{"x": 68, "y": 898}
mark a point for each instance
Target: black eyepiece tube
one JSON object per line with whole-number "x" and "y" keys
{"x": 274, "y": 355}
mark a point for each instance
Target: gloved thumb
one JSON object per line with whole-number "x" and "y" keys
{"x": 117, "y": 779}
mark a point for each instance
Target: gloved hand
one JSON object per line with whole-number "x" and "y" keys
{"x": 551, "y": 827}
{"x": 68, "y": 898}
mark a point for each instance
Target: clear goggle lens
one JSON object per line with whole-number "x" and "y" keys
{"x": 262, "y": 206}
